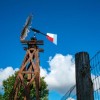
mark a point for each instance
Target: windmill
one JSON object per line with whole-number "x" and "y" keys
{"x": 29, "y": 71}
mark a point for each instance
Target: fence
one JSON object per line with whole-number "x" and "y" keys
{"x": 95, "y": 77}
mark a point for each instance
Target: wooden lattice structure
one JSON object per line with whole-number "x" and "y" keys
{"x": 29, "y": 71}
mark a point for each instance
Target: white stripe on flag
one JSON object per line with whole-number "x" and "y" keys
{"x": 55, "y": 39}
{"x": 54, "y": 36}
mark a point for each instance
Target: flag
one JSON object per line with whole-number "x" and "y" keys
{"x": 52, "y": 37}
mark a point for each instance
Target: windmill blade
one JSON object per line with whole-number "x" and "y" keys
{"x": 28, "y": 21}
{"x": 25, "y": 29}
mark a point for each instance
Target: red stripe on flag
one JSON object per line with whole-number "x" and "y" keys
{"x": 50, "y": 38}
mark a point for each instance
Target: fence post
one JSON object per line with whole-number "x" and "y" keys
{"x": 84, "y": 85}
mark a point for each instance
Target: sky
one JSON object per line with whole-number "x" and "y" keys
{"x": 76, "y": 23}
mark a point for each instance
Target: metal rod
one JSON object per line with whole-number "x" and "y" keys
{"x": 37, "y": 31}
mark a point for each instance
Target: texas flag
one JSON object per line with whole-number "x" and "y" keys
{"x": 52, "y": 37}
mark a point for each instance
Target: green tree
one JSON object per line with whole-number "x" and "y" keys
{"x": 1, "y": 97}
{"x": 8, "y": 86}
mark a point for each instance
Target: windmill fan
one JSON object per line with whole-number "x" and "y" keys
{"x": 25, "y": 29}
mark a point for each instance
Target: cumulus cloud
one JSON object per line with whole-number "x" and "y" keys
{"x": 70, "y": 98}
{"x": 61, "y": 74}
{"x": 95, "y": 80}
{"x": 4, "y": 74}
{"x": 43, "y": 72}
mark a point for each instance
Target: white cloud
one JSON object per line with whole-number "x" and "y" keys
{"x": 96, "y": 82}
{"x": 43, "y": 72}
{"x": 62, "y": 73}
{"x": 4, "y": 74}
{"x": 70, "y": 98}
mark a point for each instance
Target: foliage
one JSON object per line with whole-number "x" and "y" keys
{"x": 9, "y": 83}
{"x": 43, "y": 90}
{"x": 1, "y": 97}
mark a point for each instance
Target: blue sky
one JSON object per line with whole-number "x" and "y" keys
{"x": 76, "y": 22}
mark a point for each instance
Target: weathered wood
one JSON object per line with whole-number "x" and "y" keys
{"x": 34, "y": 42}
{"x": 84, "y": 86}
{"x": 40, "y": 49}
{"x": 29, "y": 71}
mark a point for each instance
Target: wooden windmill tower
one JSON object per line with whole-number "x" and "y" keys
{"x": 29, "y": 70}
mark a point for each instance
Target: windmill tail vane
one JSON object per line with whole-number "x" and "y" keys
{"x": 50, "y": 36}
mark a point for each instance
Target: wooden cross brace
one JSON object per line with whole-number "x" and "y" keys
{"x": 29, "y": 72}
